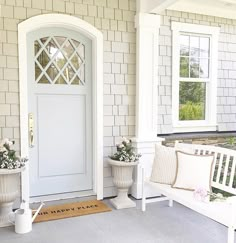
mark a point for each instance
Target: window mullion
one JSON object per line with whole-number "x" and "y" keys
{"x": 202, "y": 80}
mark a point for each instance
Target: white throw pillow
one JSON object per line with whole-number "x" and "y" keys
{"x": 193, "y": 171}
{"x": 164, "y": 165}
{"x": 185, "y": 147}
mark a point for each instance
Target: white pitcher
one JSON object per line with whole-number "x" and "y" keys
{"x": 24, "y": 219}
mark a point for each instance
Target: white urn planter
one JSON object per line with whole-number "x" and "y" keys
{"x": 123, "y": 180}
{"x": 9, "y": 190}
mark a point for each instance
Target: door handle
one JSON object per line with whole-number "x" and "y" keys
{"x": 31, "y": 130}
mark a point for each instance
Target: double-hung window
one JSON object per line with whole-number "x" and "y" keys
{"x": 194, "y": 77}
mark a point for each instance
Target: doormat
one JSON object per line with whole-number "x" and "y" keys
{"x": 71, "y": 210}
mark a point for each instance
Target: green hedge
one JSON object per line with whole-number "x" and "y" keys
{"x": 191, "y": 111}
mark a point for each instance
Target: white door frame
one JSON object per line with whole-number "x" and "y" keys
{"x": 75, "y": 24}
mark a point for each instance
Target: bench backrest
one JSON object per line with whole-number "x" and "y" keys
{"x": 224, "y": 173}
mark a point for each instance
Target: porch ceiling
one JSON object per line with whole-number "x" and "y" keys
{"x": 218, "y": 8}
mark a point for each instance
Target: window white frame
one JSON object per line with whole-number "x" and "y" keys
{"x": 210, "y": 123}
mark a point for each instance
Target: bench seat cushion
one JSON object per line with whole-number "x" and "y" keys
{"x": 218, "y": 211}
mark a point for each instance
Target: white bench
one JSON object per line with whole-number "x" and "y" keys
{"x": 223, "y": 178}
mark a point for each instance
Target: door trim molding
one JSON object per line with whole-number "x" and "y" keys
{"x": 75, "y": 24}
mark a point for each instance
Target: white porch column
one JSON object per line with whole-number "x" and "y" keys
{"x": 147, "y": 26}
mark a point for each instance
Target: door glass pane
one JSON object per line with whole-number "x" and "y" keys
{"x": 76, "y": 80}
{"x": 43, "y": 59}
{"x": 52, "y": 72}
{"x": 69, "y": 73}
{"x": 44, "y": 39}
{"x": 60, "y": 80}
{"x": 76, "y": 43}
{"x": 60, "y": 60}
{"x": 68, "y": 49}
{"x": 60, "y": 40}
{"x": 76, "y": 61}
{"x": 51, "y": 48}
{"x": 43, "y": 80}
{"x": 192, "y": 101}
{"x": 81, "y": 51}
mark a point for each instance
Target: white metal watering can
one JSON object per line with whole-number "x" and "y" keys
{"x": 24, "y": 218}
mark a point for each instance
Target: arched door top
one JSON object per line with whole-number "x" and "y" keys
{"x": 62, "y": 20}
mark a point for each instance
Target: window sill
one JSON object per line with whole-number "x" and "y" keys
{"x": 194, "y": 128}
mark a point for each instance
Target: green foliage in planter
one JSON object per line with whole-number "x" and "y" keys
{"x": 125, "y": 152}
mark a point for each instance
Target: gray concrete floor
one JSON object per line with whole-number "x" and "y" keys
{"x": 159, "y": 224}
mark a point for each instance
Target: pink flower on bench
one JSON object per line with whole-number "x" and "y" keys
{"x": 200, "y": 194}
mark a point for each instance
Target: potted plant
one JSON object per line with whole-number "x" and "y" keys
{"x": 123, "y": 163}
{"x": 11, "y": 166}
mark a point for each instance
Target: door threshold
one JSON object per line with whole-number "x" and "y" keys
{"x": 61, "y": 196}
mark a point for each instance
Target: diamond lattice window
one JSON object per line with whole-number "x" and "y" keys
{"x": 59, "y": 60}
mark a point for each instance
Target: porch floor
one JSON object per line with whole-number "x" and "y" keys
{"x": 159, "y": 224}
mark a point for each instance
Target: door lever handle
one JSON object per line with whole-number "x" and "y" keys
{"x": 31, "y": 130}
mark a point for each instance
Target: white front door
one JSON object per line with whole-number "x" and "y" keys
{"x": 60, "y": 111}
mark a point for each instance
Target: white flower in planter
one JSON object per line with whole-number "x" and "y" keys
{"x": 2, "y": 149}
{"x": 7, "y": 142}
{"x": 126, "y": 140}
{"x": 8, "y": 158}
{"x": 121, "y": 145}
{"x": 125, "y": 152}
